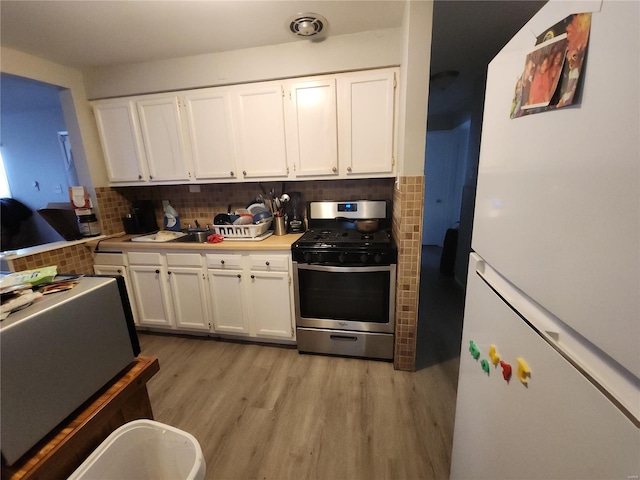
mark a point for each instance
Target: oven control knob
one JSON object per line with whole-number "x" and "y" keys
{"x": 363, "y": 258}
{"x": 377, "y": 258}
{"x": 342, "y": 257}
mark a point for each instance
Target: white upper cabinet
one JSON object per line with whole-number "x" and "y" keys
{"x": 163, "y": 139}
{"x": 366, "y": 122}
{"x": 210, "y": 126}
{"x": 312, "y": 127}
{"x": 118, "y": 126}
{"x": 330, "y": 126}
{"x": 260, "y": 132}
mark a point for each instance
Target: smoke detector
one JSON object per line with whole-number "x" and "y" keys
{"x": 307, "y": 24}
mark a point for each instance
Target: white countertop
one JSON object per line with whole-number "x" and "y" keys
{"x": 47, "y": 247}
{"x": 124, "y": 243}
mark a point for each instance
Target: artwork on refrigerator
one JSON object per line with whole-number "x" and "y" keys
{"x": 553, "y": 68}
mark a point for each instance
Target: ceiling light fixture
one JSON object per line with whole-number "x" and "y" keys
{"x": 307, "y": 24}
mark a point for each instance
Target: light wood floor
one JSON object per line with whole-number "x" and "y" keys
{"x": 266, "y": 412}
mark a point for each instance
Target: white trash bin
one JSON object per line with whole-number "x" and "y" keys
{"x": 144, "y": 450}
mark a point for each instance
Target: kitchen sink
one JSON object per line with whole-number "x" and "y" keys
{"x": 194, "y": 237}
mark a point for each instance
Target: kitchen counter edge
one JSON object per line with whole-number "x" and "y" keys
{"x": 122, "y": 243}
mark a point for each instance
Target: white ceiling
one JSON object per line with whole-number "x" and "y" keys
{"x": 86, "y": 33}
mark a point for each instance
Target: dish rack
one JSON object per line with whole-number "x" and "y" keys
{"x": 242, "y": 231}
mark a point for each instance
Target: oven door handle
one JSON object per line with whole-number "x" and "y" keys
{"x": 328, "y": 268}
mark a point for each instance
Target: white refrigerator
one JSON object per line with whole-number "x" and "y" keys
{"x": 553, "y": 292}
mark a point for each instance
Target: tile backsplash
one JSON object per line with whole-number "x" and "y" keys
{"x": 114, "y": 203}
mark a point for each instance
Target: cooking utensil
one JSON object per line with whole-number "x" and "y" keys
{"x": 261, "y": 217}
{"x": 367, "y": 226}
{"x": 222, "y": 219}
{"x": 363, "y": 225}
{"x": 257, "y": 208}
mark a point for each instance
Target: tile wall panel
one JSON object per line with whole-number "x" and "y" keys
{"x": 407, "y": 230}
{"x": 76, "y": 259}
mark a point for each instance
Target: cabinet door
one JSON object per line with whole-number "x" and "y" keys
{"x": 152, "y": 298}
{"x": 208, "y": 116}
{"x": 312, "y": 128}
{"x": 366, "y": 122}
{"x": 259, "y": 120}
{"x": 119, "y": 131}
{"x": 189, "y": 295}
{"x": 270, "y": 302}
{"x": 120, "y": 270}
{"x": 163, "y": 139}
{"x": 228, "y": 304}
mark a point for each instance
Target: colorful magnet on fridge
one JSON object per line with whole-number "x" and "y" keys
{"x": 524, "y": 372}
{"x": 493, "y": 355}
{"x": 473, "y": 349}
{"x": 506, "y": 371}
{"x": 485, "y": 366}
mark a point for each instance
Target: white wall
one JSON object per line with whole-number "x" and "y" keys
{"x": 414, "y": 87}
{"x": 31, "y": 153}
{"x": 79, "y": 120}
{"x": 445, "y": 168}
{"x": 380, "y": 48}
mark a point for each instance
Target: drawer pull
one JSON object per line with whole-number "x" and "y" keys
{"x": 222, "y": 262}
{"x": 266, "y": 263}
{"x": 343, "y": 338}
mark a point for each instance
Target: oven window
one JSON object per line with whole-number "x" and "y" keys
{"x": 344, "y": 296}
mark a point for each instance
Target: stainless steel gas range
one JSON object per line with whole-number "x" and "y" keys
{"x": 345, "y": 280}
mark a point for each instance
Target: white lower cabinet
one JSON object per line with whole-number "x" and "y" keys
{"x": 252, "y": 294}
{"x": 170, "y": 290}
{"x": 269, "y": 304}
{"x": 189, "y": 295}
{"x": 148, "y": 273}
{"x": 227, "y": 300}
{"x": 235, "y": 293}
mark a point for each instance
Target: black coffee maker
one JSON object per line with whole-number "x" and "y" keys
{"x": 295, "y": 212}
{"x": 142, "y": 218}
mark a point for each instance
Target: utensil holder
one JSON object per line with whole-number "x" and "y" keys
{"x": 279, "y": 226}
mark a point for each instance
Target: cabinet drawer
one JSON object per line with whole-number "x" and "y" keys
{"x": 278, "y": 263}
{"x": 224, "y": 261}
{"x": 184, "y": 259}
{"x": 109, "y": 259}
{"x": 144, "y": 258}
